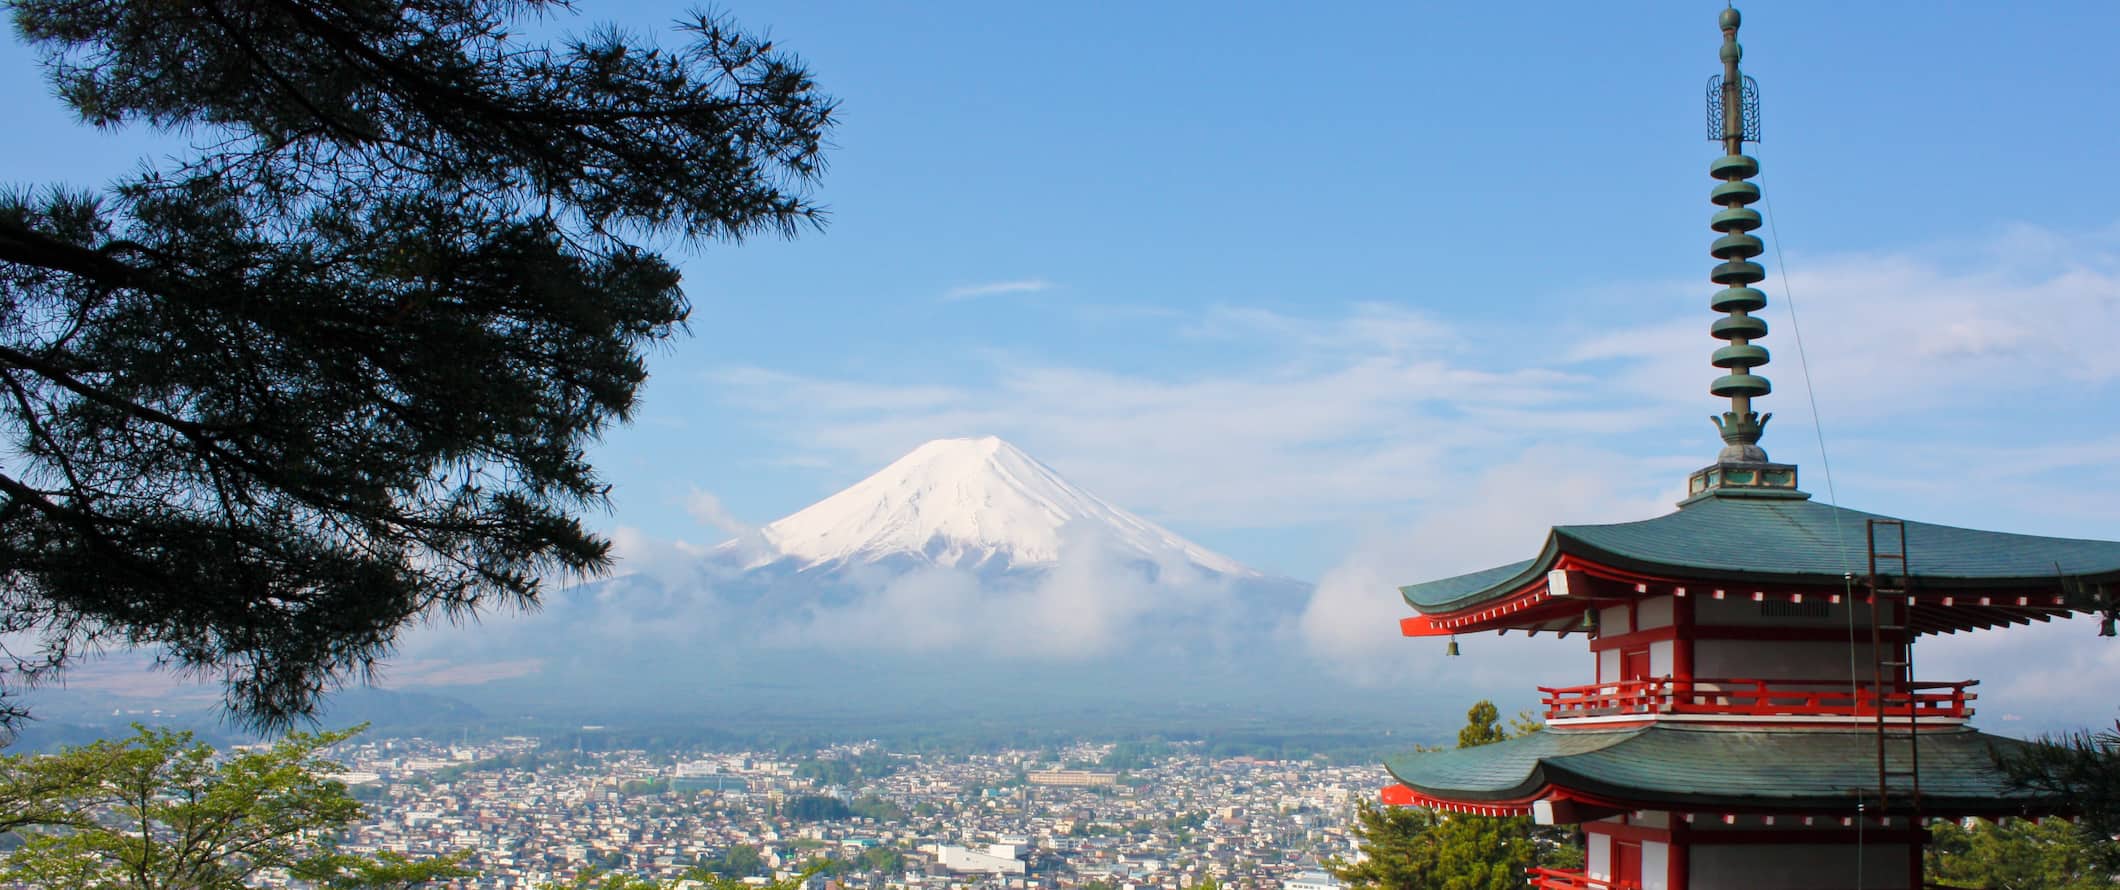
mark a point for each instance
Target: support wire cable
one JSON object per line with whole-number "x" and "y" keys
{"x": 1818, "y": 428}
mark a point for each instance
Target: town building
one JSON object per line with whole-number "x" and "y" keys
{"x": 996, "y": 859}
{"x": 1071, "y": 778}
{"x": 1750, "y": 717}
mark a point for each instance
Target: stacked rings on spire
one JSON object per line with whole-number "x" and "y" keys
{"x": 1737, "y": 273}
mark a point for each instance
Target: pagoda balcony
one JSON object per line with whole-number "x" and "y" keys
{"x": 1785, "y": 700}
{"x": 1554, "y": 879}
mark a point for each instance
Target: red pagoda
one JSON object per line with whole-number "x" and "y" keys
{"x": 1752, "y": 718}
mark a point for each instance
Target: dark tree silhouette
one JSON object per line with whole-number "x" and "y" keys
{"x": 335, "y": 369}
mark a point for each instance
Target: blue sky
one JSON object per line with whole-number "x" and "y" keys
{"x": 1383, "y": 290}
{"x": 1290, "y": 280}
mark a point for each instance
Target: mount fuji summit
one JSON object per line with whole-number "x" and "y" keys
{"x": 971, "y": 503}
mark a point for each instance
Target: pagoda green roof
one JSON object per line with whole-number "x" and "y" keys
{"x": 1682, "y": 767}
{"x": 1782, "y": 540}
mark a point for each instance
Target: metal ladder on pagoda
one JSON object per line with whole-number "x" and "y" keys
{"x": 1891, "y": 611}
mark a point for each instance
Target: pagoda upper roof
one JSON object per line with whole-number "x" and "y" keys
{"x": 1716, "y": 768}
{"x": 1783, "y": 541}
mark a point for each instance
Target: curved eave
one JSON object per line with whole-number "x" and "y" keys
{"x": 1479, "y": 590}
{"x": 1760, "y": 771}
{"x": 1807, "y": 546}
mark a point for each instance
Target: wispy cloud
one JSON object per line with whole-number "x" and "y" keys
{"x": 1459, "y": 444}
{"x": 997, "y": 288}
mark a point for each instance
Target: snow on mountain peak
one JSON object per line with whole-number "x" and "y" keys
{"x": 971, "y": 502}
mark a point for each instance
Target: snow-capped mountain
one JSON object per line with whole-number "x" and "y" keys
{"x": 965, "y": 575}
{"x": 978, "y": 503}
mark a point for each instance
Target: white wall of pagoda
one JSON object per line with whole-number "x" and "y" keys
{"x": 1656, "y": 865}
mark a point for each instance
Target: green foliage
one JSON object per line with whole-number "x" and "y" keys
{"x": 846, "y": 770}
{"x": 816, "y": 808}
{"x": 740, "y": 861}
{"x": 386, "y": 871}
{"x": 1415, "y": 847}
{"x": 883, "y": 860}
{"x": 640, "y": 787}
{"x": 2082, "y": 768}
{"x": 336, "y": 370}
{"x": 878, "y": 809}
{"x": 1134, "y": 755}
{"x": 1483, "y": 725}
{"x": 1400, "y": 847}
{"x": 158, "y": 811}
{"x": 593, "y": 879}
{"x": 2051, "y": 855}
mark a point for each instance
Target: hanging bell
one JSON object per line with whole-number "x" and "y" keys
{"x": 1590, "y": 621}
{"x": 1452, "y": 650}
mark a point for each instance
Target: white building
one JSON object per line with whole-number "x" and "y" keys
{"x": 999, "y": 859}
{"x": 1311, "y": 880}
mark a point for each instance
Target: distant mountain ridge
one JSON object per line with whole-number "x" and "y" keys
{"x": 971, "y": 503}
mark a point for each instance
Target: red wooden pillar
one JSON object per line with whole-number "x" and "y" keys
{"x": 1679, "y": 873}
{"x": 1682, "y": 642}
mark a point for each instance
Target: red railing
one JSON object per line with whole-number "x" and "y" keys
{"x": 1549, "y": 879}
{"x": 1759, "y": 698}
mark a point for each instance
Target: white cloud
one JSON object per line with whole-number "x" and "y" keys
{"x": 996, "y": 288}
{"x": 1369, "y": 407}
{"x": 707, "y": 509}
{"x": 1499, "y": 516}
{"x": 1091, "y": 603}
{"x": 2067, "y": 686}
{"x": 1903, "y": 331}
{"x": 1968, "y": 383}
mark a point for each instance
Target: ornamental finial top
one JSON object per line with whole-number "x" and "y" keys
{"x": 1733, "y": 104}
{"x": 1733, "y": 120}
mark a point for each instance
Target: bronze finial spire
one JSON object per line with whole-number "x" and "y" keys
{"x": 1733, "y": 120}
{"x": 1741, "y": 426}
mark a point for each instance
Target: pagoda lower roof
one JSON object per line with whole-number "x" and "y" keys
{"x": 1783, "y": 541}
{"x": 1722, "y": 769}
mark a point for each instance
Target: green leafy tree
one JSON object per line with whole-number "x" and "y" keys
{"x": 1418, "y": 847}
{"x": 741, "y": 861}
{"x": 2020, "y": 855}
{"x": 883, "y": 860}
{"x": 1483, "y": 725}
{"x": 2083, "y": 767}
{"x": 158, "y": 811}
{"x": 335, "y": 370}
